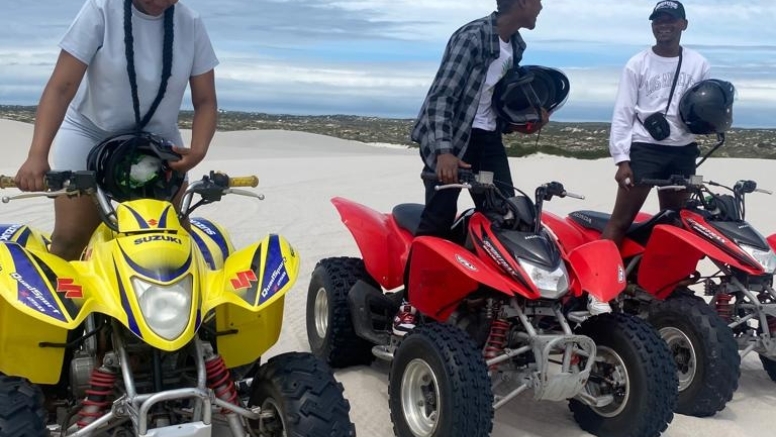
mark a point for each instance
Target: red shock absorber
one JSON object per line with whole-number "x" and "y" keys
{"x": 497, "y": 339}
{"x": 724, "y": 307}
{"x": 98, "y": 396}
{"x": 220, "y": 380}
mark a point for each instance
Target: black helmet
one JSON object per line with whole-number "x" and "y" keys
{"x": 707, "y": 107}
{"x": 133, "y": 166}
{"x": 519, "y": 94}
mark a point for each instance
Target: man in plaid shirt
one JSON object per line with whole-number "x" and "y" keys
{"x": 457, "y": 127}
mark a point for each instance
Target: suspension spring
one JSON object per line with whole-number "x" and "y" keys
{"x": 497, "y": 339}
{"x": 98, "y": 396}
{"x": 220, "y": 380}
{"x": 724, "y": 307}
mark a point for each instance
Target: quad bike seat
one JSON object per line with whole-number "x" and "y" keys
{"x": 638, "y": 231}
{"x": 407, "y": 216}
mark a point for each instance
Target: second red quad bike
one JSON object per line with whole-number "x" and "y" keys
{"x": 502, "y": 311}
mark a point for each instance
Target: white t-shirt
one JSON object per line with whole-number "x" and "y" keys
{"x": 644, "y": 89}
{"x": 96, "y": 37}
{"x": 486, "y": 118}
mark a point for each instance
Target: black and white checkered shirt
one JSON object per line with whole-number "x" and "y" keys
{"x": 445, "y": 120}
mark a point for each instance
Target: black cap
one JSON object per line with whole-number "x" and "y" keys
{"x": 670, "y": 7}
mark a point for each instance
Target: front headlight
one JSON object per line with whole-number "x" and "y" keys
{"x": 766, "y": 258}
{"x": 166, "y": 308}
{"x": 551, "y": 283}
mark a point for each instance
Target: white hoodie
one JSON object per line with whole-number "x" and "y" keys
{"x": 644, "y": 89}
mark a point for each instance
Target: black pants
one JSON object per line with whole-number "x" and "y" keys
{"x": 485, "y": 153}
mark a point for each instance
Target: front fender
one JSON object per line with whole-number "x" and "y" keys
{"x": 248, "y": 296}
{"x": 599, "y": 269}
{"x": 672, "y": 254}
{"x": 443, "y": 273}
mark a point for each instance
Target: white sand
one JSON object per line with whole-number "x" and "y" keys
{"x": 300, "y": 172}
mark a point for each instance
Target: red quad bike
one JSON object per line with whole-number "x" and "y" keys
{"x": 662, "y": 254}
{"x": 502, "y": 311}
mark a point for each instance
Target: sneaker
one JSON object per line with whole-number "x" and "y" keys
{"x": 405, "y": 319}
{"x": 597, "y": 307}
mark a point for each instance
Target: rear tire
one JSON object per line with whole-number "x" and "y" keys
{"x": 770, "y": 367}
{"x": 21, "y": 408}
{"x": 633, "y": 355}
{"x": 704, "y": 350}
{"x": 306, "y": 399}
{"x": 329, "y": 325}
{"x": 439, "y": 385}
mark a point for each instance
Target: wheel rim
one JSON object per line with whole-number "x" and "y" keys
{"x": 321, "y": 312}
{"x": 276, "y": 426}
{"x": 684, "y": 355}
{"x": 420, "y": 398}
{"x": 610, "y": 377}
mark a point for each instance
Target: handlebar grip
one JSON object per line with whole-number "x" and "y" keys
{"x": 429, "y": 176}
{"x": 656, "y": 182}
{"x": 244, "y": 181}
{"x": 7, "y": 182}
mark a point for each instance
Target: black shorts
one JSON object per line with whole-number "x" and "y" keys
{"x": 654, "y": 161}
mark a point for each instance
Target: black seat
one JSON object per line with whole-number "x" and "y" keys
{"x": 638, "y": 232}
{"x": 407, "y": 216}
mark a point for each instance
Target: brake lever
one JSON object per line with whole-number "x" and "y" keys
{"x": 672, "y": 187}
{"x": 465, "y": 186}
{"x": 246, "y": 193}
{"x": 50, "y": 195}
{"x": 574, "y": 195}
{"x": 761, "y": 190}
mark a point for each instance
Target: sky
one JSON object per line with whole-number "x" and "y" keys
{"x": 378, "y": 57}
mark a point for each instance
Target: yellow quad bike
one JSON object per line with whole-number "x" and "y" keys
{"x": 148, "y": 332}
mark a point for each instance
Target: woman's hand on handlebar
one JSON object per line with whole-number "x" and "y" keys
{"x": 31, "y": 175}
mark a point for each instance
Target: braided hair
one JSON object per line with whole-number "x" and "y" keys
{"x": 129, "y": 48}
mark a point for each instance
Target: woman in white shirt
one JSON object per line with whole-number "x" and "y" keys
{"x": 138, "y": 56}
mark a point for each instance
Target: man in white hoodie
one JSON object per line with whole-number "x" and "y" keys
{"x": 643, "y": 145}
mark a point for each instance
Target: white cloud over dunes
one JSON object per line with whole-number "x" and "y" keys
{"x": 378, "y": 57}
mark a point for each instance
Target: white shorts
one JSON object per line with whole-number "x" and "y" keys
{"x": 76, "y": 137}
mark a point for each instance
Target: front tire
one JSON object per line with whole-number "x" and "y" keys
{"x": 705, "y": 352}
{"x": 439, "y": 385}
{"x": 21, "y": 408}
{"x": 329, "y": 325}
{"x": 306, "y": 400}
{"x": 633, "y": 365}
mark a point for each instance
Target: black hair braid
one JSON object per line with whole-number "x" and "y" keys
{"x": 129, "y": 50}
{"x": 166, "y": 62}
{"x": 167, "y": 48}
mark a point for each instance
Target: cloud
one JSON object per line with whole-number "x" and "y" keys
{"x": 378, "y": 57}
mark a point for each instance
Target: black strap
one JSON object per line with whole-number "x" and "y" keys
{"x": 130, "y": 55}
{"x": 676, "y": 78}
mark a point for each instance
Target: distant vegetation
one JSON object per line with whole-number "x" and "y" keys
{"x": 577, "y": 140}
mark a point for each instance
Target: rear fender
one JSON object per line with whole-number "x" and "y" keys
{"x": 443, "y": 273}
{"x": 384, "y": 247}
{"x": 672, "y": 254}
{"x": 248, "y": 296}
{"x": 599, "y": 269}
{"x": 43, "y": 297}
{"x": 212, "y": 240}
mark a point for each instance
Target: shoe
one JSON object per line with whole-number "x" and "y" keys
{"x": 597, "y": 307}
{"x": 405, "y": 319}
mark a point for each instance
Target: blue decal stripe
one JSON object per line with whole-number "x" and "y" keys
{"x": 32, "y": 289}
{"x": 140, "y": 220}
{"x": 275, "y": 274}
{"x": 217, "y": 237}
{"x": 125, "y": 304}
{"x": 165, "y": 275}
{"x": 24, "y": 236}
{"x": 163, "y": 218}
{"x": 204, "y": 250}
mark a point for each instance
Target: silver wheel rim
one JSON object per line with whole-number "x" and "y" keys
{"x": 684, "y": 355}
{"x": 420, "y": 398}
{"x": 618, "y": 381}
{"x": 271, "y": 404}
{"x": 321, "y": 312}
